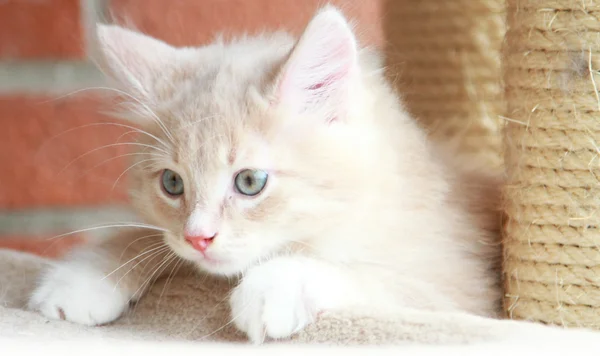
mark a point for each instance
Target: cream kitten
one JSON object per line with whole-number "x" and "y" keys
{"x": 291, "y": 164}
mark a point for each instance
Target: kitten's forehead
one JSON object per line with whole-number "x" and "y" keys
{"x": 213, "y": 105}
{"x": 220, "y": 84}
{"x": 211, "y": 158}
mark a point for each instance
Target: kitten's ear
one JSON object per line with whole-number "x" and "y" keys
{"x": 133, "y": 59}
{"x": 317, "y": 76}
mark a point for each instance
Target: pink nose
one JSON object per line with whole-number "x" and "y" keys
{"x": 200, "y": 243}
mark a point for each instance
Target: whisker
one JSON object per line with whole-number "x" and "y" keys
{"x": 74, "y": 93}
{"x": 228, "y": 323}
{"x": 169, "y": 258}
{"x": 142, "y": 253}
{"x": 143, "y": 289}
{"x": 124, "y": 134}
{"x": 136, "y": 240}
{"x": 117, "y": 157}
{"x": 108, "y": 146}
{"x": 108, "y": 124}
{"x": 125, "y": 224}
{"x": 205, "y": 278}
{"x": 151, "y": 257}
{"x": 138, "y": 101}
{"x": 170, "y": 278}
{"x": 145, "y": 284}
{"x": 157, "y": 119}
{"x": 208, "y": 314}
{"x": 130, "y": 168}
{"x": 155, "y": 252}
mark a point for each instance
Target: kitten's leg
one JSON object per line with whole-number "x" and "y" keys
{"x": 95, "y": 284}
{"x": 283, "y": 295}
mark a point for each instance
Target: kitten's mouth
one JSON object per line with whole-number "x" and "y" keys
{"x": 204, "y": 256}
{"x": 211, "y": 260}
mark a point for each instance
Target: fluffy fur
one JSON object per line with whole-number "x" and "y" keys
{"x": 360, "y": 209}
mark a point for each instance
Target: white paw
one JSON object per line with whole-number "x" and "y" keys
{"x": 276, "y": 300}
{"x": 80, "y": 294}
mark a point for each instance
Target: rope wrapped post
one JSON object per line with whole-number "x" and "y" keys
{"x": 552, "y": 156}
{"x": 444, "y": 57}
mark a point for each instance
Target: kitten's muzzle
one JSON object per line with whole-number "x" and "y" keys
{"x": 200, "y": 243}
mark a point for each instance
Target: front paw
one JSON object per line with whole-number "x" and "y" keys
{"x": 273, "y": 300}
{"x": 79, "y": 294}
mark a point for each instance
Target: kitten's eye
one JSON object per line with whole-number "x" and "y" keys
{"x": 172, "y": 183}
{"x": 250, "y": 182}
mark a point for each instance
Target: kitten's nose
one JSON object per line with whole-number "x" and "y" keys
{"x": 200, "y": 243}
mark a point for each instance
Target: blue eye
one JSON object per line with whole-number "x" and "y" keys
{"x": 172, "y": 183}
{"x": 250, "y": 182}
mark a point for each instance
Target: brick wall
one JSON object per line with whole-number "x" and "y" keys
{"x": 47, "y": 174}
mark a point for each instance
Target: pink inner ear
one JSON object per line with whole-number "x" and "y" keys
{"x": 333, "y": 78}
{"x": 316, "y": 86}
{"x": 287, "y": 83}
{"x": 315, "y": 78}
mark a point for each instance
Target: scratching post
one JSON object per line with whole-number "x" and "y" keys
{"x": 444, "y": 57}
{"x": 552, "y": 142}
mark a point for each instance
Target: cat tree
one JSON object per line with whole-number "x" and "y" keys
{"x": 443, "y": 56}
{"x": 453, "y": 57}
{"x": 552, "y": 146}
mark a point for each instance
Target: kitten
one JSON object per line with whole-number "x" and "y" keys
{"x": 293, "y": 165}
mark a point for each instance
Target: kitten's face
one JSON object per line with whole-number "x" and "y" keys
{"x": 240, "y": 139}
{"x": 220, "y": 177}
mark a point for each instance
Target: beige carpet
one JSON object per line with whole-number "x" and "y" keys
{"x": 191, "y": 309}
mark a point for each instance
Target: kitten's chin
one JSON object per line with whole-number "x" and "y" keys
{"x": 219, "y": 268}
{"x": 207, "y": 263}
{"x": 212, "y": 265}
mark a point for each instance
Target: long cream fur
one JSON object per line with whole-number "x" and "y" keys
{"x": 360, "y": 209}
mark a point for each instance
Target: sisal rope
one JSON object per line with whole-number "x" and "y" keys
{"x": 444, "y": 57}
{"x": 552, "y": 147}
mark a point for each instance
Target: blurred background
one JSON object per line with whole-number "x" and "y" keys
{"x": 61, "y": 166}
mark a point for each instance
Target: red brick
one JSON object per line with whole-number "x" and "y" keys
{"x": 194, "y": 22}
{"x": 40, "y": 29}
{"x": 41, "y": 246}
{"x": 35, "y": 145}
